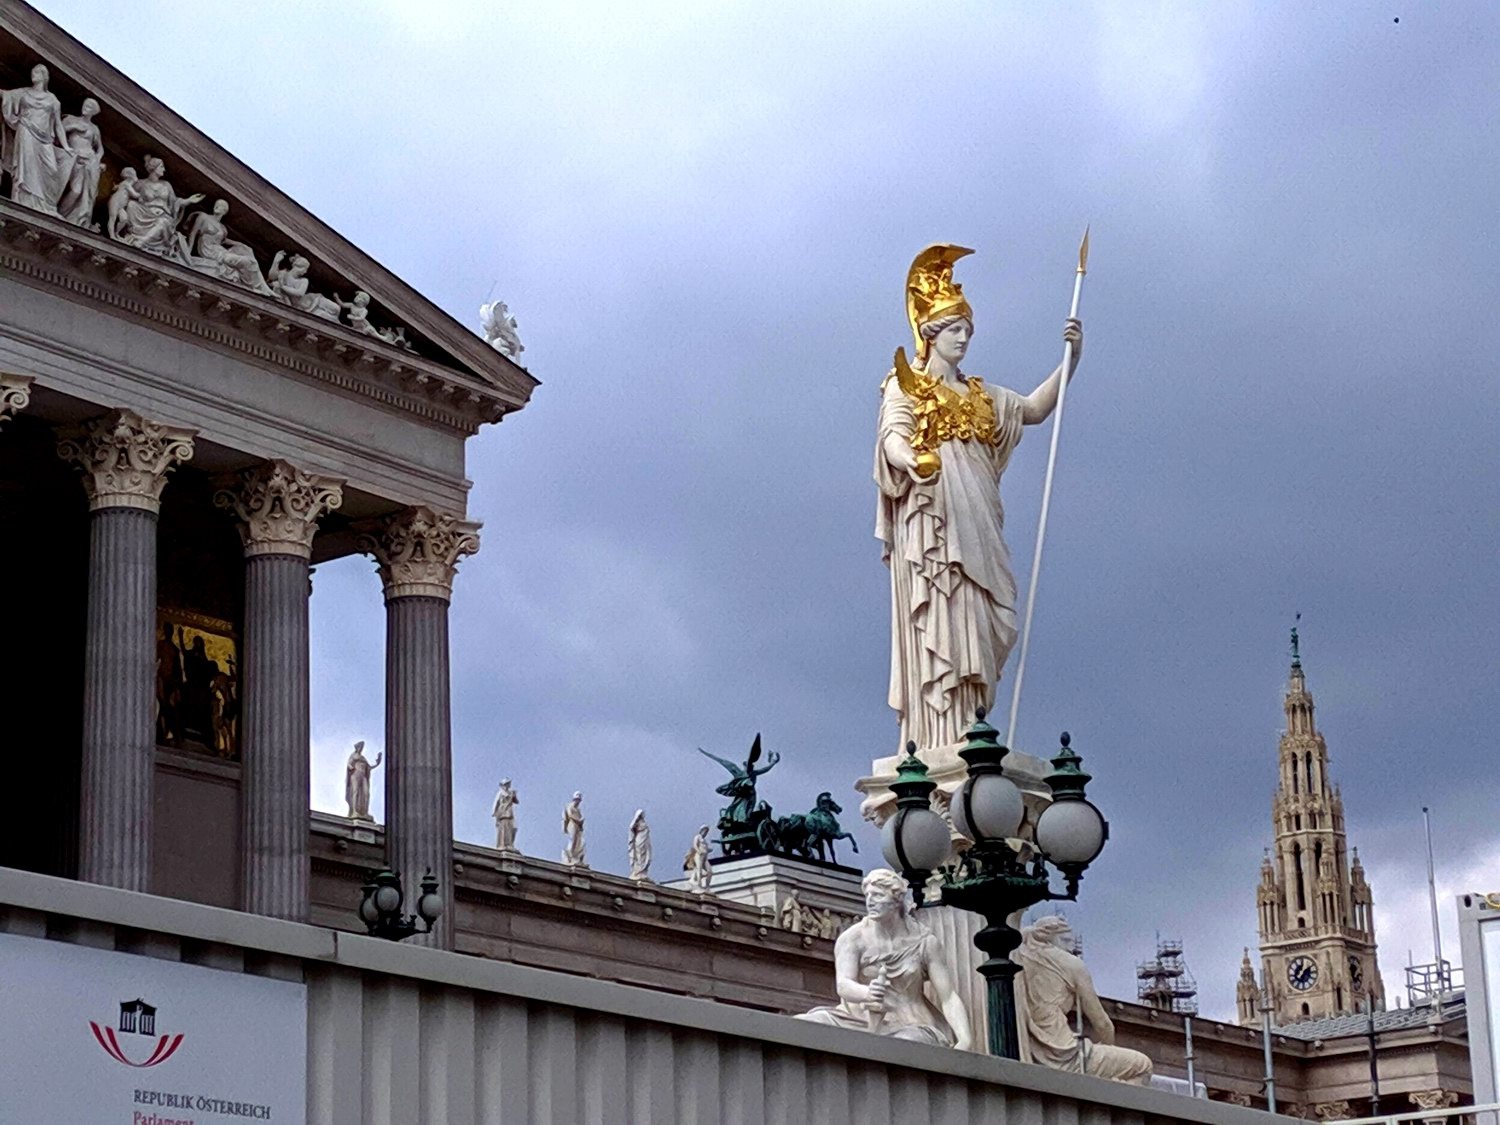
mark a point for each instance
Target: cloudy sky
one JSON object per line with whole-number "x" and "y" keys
{"x": 702, "y": 216}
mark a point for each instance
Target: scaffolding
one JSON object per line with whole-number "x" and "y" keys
{"x": 1164, "y": 982}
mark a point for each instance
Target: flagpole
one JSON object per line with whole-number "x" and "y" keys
{"x": 1041, "y": 531}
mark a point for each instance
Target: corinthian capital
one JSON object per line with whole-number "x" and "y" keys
{"x": 125, "y": 458}
{"x": 1433, "y": 1099}
{"x": 15, "y": 393}
{"x": 279, "y": 505}
{"x": 417, "y": 551}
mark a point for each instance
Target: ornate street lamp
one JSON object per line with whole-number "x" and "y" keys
{"x": 993, "y": 877}
{"x": 380, "y": 906}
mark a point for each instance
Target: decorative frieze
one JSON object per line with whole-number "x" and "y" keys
{"x": 417, "y": 552}
{"x": 1333, "y": 1111}
{"x": 15, "y": 394}
{"x": 278, "y": 506}
{"x": 125, "y": 458}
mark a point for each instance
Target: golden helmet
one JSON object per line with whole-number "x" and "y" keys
{"x": 931, "y": 292}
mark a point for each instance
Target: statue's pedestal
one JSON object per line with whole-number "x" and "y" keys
{"x": 948, "y": 770}
{"x": 955, "y": 930}
{"x": 827, "y": 896}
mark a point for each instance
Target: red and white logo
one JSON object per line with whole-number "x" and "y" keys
{"x": 139, "y": 1018}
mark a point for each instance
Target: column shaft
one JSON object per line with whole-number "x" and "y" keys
{"x": 275, "y": 772}
{"x": 119, "y": 700}
{"x": 419, "y": 752}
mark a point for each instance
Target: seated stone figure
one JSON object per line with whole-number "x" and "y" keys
{"x": 885, "y": 964}
{"x": 1052, "y": 985}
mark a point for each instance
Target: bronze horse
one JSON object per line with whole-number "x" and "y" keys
{"x": 804, "y": 834}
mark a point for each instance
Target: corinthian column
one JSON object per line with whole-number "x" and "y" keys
{"x": 278, "y": 506}
{"x": 15, "y": 394}
{"x": 417, "y": 551}
{"x": 125, "y": 460}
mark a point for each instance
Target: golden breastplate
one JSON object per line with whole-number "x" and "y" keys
{"x": 944, "y": 414}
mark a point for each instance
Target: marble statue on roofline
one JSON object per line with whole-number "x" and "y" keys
{"x": 357, "y": 772}
{"x": 944, "y": 441}
{"x": 504, "y": 812}
{"x": 638, "y": 847}
{"x": 890, "y": 973}
{"x": 574, "y": 854}
{"x": 500, "y": 329}
{"x": 700, "y": 872}
{"x": 1052, "y": 985}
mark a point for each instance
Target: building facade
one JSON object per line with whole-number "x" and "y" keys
{"x": 1315, "y": 909}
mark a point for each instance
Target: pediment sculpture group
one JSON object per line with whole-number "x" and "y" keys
{"x": 55, "y": 162}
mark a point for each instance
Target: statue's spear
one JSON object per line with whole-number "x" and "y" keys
{"x": 1041, "y": 531}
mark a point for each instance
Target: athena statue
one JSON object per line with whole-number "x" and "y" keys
{"x": 944, "y": 440}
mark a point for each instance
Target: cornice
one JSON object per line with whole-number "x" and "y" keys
{"x": 47, "y": 253}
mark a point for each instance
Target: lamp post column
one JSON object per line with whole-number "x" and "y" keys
{"x": 417, "y": 552}
{"x": 124, "y": 459}
{"x": 278, "y": 506}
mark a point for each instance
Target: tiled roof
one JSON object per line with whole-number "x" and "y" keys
{"x": 1395, "y": 1019}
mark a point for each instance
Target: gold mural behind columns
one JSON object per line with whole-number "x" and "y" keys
{"x": 197, "y": 684}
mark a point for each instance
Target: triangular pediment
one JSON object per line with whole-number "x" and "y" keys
{"x": 238, "y": 249}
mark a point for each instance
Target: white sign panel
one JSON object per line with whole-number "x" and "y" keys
{"x": 104, "y": 1038}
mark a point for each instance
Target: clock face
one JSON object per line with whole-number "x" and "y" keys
{"x": 1356, "y": 972}
{"x": 1302, "y": 973}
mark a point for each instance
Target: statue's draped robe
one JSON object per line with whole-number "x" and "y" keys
{"x": 357, "y": 785}
{"x": 1046, "y": 999}
{"x": 908, "y": 1014}
{"x": 29, "y": 149}
{"x": 953, "y": 597}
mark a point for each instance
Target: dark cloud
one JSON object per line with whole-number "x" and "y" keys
{"x": 1288, "y": 399}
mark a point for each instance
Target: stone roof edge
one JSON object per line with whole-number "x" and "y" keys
{"x": 186, "y": 142}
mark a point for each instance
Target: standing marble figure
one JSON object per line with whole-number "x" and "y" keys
{"x": 700, "y": 872}
{"x": 638, "y": 847}
{"x": 34, "y": 145}
{"x": 885, "y": 965}
{"x": 572, "y": 825}
{"x": 1052, "y": 985}
{"x": 504, "y": 812}
{"x": 944, "y": 441}
{"x": 357, "y": 782}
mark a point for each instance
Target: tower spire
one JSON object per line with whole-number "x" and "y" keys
{"x": 1317, "y": 934}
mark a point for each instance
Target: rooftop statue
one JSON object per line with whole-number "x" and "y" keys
{"x": 745, "y": 824}
{"x": 574, "y": 854}
{"x": 504, "y": 812}
{"x": 638, "y": 847}
{"x": 886, "y": 965}
{"x": 1052, "y": 985}
{"x": 357, "y": 782}
{"x": 500, "y": 329}
{"x": 699, "y": 872}
{"x": 944, "y": 441}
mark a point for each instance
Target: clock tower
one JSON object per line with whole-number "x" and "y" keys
{"x": 1317, "y": 926}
